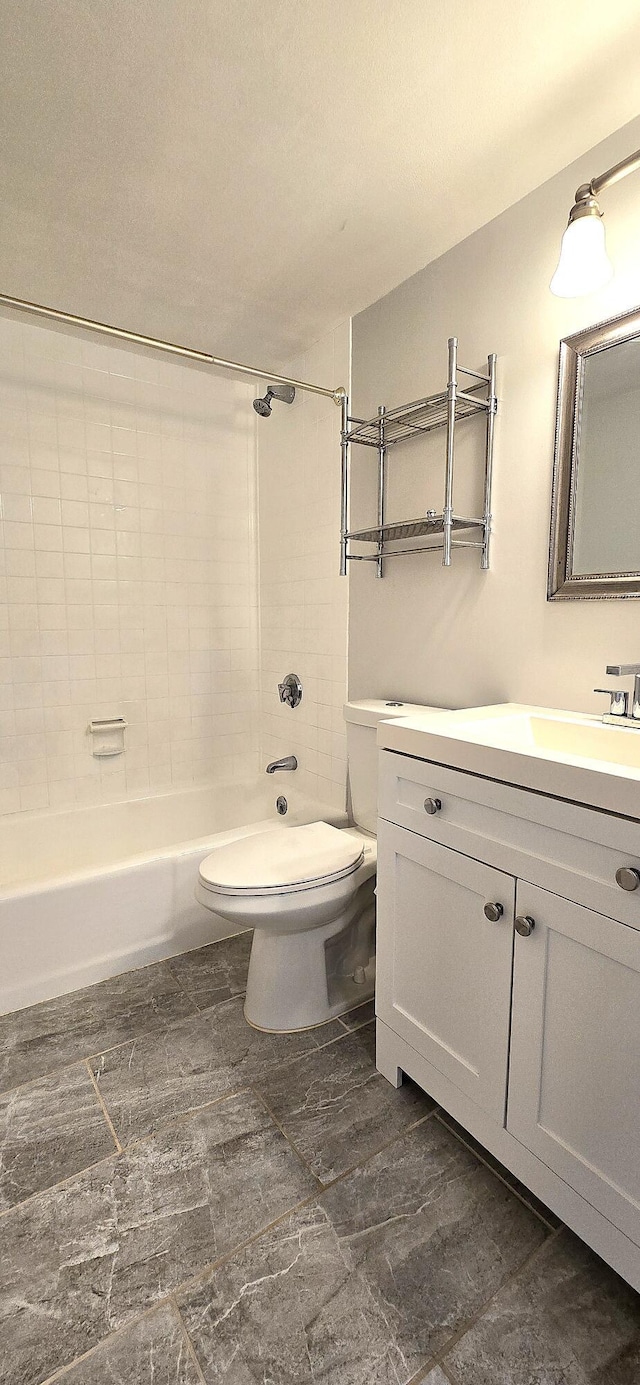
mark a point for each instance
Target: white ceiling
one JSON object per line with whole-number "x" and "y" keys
{"x": 238, "y": 175}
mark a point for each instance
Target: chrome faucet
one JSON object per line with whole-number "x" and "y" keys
{"x": 288, "y": 762}
{"x": 619, "y": 713}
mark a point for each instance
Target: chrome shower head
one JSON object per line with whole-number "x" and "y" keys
{"x": 285, "y": 393}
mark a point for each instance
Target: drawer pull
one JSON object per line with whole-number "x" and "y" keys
{"x": 628, "y": 878}
{"x": 432, "y": 806}
{"x": 493, "y": 912}
{"x": 525, "y": 925}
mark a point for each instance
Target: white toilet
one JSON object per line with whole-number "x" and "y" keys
{"x": 308, "y": 893}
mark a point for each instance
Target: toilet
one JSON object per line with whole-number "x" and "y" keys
{"x": 309, "y": 895}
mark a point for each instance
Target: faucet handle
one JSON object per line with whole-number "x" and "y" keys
{"x": 290, "y": 690}
{"x": 619, "y": 704}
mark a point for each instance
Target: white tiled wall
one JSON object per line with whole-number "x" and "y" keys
{"x": 127, "y": 570}
{"x": 303, "y": 600}
{"x": 129, "y": 567}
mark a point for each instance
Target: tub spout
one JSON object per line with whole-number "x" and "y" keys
{"x": 289, "y": 762}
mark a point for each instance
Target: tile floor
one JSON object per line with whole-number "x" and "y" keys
{"x": 186, "y": 1201}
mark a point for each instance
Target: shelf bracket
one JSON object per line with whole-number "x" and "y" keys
{"x": 382, "y": 465}
{"x": 344, "y": 482}
{"x": 488, "y": 461}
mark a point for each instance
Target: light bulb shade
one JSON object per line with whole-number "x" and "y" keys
{"x": 584, "y": 265}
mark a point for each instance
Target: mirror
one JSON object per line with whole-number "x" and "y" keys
{"x": 595, "y": 521}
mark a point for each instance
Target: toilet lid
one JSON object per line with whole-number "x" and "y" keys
{"x": 280, "y": 861}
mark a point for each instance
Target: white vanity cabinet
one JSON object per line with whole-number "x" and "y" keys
{"x": 441, "y": 946}
{"x": 530, "y": 1038}
{"x": 574, "y": 1083}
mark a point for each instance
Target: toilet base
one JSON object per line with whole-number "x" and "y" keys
{"x": 301, "y": 980}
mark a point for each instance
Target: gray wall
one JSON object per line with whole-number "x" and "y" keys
{"x": 457, "y": 636}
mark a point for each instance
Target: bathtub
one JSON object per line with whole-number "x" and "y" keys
{"x": 88, "y": 893}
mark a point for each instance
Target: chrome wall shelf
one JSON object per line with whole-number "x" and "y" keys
{"x": 391, "y": 426}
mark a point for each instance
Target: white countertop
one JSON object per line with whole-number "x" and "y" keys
{"x": 567, "y": 754}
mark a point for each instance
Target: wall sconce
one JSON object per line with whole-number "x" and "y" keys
{"x": 584, "y": 265}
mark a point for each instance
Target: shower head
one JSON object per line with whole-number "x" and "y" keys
{"x": 285, "y": 393}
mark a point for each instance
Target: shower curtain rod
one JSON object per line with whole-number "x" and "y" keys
{"x": 56, "y": 315}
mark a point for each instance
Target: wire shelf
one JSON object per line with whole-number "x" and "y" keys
{"x": 463, "y": 398}
{"x": 409, "y": 420}
{"x": 411, "y": 529}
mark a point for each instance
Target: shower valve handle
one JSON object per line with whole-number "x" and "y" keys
{"x": 290, "y": 690}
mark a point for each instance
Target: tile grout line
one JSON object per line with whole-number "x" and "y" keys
{"x": 337, "y": 1038}
{"x": 380, "y": 1149}
{"x": 420, "y": 1375}
{"x": 262, "y": 1231}
{"x": 213, "y": 1265}
{"x": 441, "y": 1355}
{"x": 163, "y": 1029}
{"x": 53, "y": 1187}
{"x": 103, "y": 1108}
{"x": 182, "y": 1117}
{"x": 177, "y": 1120}
{"x": 57, "y": 1072}
{"x": 446, "y": 1371}
{"x": 354, "y": 1028}
{"x": 186, "y": 1338}
{"x": 289, "y": 1141}
{"x": 61, "y": 1371}
{"x": 172, "y": 1122}
{"x": 168, "y": 961}
{"x": 184, "y": 1286}
{"x": 179, "y": 1117}
{"x": 96, "y": 1053}
{"x": 182, "y": 987}
{"x": 350, "y": 1029}
{"x": 423, "y": 1374}
{"x": 508, "y": 1279}
{"x": 497, "y": 1175}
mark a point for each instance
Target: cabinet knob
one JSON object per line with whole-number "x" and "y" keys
{"x": 525, "y": 925}
{"x": 493, "y": 912}
{"x": 432, "y": 806}
{"x": 628, "y": 878}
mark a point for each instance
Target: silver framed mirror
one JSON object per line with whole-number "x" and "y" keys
{"x": 594, "y": 550}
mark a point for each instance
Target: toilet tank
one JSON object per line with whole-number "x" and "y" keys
{"x": 362, "y": 752}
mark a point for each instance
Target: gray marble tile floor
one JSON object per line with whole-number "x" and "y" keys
{"x": 361, "y": 1015}
{"x": 50, "y": 1129}
{"x": 185, "y": 1200}
{"x": 157, "y": 1076}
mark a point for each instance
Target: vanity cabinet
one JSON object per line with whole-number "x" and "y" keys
{"x": 574, "y": 1083}
{"x": 437, "y": 944}
{"x": 505, "y": 996}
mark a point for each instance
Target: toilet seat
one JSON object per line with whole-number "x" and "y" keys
{"x": 278, "y": 863}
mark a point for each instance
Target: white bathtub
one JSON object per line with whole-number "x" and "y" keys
{"x": 88, "y": 893}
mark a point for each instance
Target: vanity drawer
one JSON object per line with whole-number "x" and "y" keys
{"x": 570, "y": 850}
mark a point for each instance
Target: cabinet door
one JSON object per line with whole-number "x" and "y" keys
{"x": 443, "y": 969}
{"x": 574, "y": 1083}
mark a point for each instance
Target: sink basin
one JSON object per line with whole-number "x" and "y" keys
{"x": 566, "y": 754}
{"x": 562, "y": 735}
